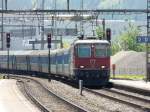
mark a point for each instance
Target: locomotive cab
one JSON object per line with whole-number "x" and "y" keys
{"x": 92, "y": 61}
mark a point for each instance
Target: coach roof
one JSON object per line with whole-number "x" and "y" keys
{"x": 91, "y": 42}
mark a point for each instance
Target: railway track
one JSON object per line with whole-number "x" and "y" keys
{"x": 132, "y": 89}
{"x": 123, "y": 98}
{"x": 34, "y": 99}
{"x": 47, "y": 101}
{"x": 116, "y": 91}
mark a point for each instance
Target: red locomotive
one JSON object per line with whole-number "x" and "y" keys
{"x": 92, "y": 61}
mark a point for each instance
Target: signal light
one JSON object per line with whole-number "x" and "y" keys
{"x": 108, "y": 34}
{"x": 8, "y": 37}
{"x": 8, "y": 40}
{"x": 49, "y": 40}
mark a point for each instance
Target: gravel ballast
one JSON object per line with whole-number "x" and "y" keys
{"x": 89, "y": 101}
{"x": 52, "y": 103}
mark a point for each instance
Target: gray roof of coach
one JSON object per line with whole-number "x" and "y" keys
{"x": 32, "y": 52}
{"x": 91, "y": 41}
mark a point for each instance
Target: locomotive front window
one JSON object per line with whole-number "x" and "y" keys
{"x": 102, "y": 51}
{"x": 84, "y": 51}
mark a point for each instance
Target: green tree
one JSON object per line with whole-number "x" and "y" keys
{"x": 115, "y": 46}
{"x": 99, "y": 32}
{"x": 127, "y": 40}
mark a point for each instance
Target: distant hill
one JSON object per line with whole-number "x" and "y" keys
{"x": 124, "y": 4}
{"x": 75, "y": 4}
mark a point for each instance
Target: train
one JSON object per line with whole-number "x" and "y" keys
{"x": 87, "y": 60}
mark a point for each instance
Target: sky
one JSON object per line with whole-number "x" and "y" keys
{"x": 76, "y": 4}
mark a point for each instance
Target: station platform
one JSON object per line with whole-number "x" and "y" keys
{"x": 12, "y": 100}
{"x": 142, "y": 85}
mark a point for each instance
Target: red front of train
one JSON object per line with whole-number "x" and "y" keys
{"x": 92, "y": 61}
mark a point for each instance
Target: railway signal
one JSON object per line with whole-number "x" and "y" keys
{"x": 8, "y": 46}
{"x": 49, "y": 60}
{"x": 8, "y": 40}
{"x": 108, "y": 34}
{"x": 49, "y": 40}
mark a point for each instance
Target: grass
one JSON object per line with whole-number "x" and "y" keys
{"x": 130, "y": 77}
{"x": 1, "y": 76}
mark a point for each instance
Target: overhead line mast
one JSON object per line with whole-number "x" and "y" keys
{"x": 2, "y": 30}
{"x": 68, "y": 5}
{"x": 148, "y": 44}
{"x": 42, "y": 28}
{"x": 82, "y": 29}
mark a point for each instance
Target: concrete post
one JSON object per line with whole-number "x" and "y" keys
{"x": 80, "y": 86}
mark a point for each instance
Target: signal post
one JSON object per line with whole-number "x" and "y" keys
{"x": 49, "y": 46}
{"x": 8, "y": 46}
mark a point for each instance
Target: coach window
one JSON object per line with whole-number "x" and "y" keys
{"x": 66, "y": 58}
{"x": 102, "y": 51}
{"x": 53, "y": 59}
{"x": 84, "y": 51}
{"x": 44, "y": 60}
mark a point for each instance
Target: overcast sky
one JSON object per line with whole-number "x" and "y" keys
{"x": 75, "y": 4}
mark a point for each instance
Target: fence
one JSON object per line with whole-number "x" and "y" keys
{"x": 130, "y": 71}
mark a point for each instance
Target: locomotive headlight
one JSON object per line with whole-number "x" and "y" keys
{"x": 81, "y": 66}
{"x": 103, "y": 67}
